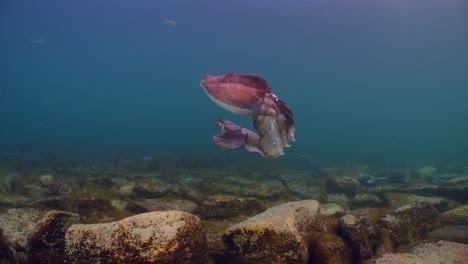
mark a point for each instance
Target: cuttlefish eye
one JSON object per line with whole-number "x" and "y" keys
{"x": 274, "y": 97}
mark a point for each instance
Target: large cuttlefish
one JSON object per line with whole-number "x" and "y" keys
{"x": 250, "y": 95}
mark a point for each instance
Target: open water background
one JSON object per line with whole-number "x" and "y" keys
{"x": 368, "y": 80}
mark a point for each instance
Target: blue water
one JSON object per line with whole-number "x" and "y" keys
{"x": 368, "y": 80}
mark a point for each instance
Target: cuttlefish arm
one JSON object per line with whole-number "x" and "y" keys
{"x": 232, "y": 136}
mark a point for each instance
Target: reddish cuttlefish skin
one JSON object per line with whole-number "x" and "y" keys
{"x": 242, "y": 94}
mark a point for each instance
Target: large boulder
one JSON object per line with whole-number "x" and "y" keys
{"x": 155, "y": 237}
{"x": 407, "y": 223}
{"x": 46, "y": 241}
{"x": 354, "y": 231}
{"x": 278, "y": 235}
{"x": 17, "y": 224}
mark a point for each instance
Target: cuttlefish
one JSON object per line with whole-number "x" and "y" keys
{"x": 250, "y": 95}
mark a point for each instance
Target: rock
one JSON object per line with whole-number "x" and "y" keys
{"x": 347, "y": 185}
{"x": 329, "y": 248}
{"x": 46, "y": 241}
{"x": 297, "y": 184}
{"x": 268, "y": 189}
{"x": 457, "y": 192}
{"x": 427, "y": 171}
{"x": 457, "y": 216}
{"x": 7, "y": 254}
{"x": 150, "y": 205}
{"x": 188, "y": 192}
{"x": 277, "y": 235}
{"x": 17, "y": 224}
{"x": 459, "y": 180}
{"x": 222, "y": 206}
{"x": 214, "y": 230}
{"x": 8, "y": 182}
{"x": 456, "y": 233}
{"x": 399, "y": 199}
{"x": 46, "y": 180}
{"x": 84, "y": 206}
{"x": 408, "y": 222}
{"x": 365, "y": 200}
{"x": 155, "y": 237}
{"x": 339, "y": 198}
{"x": 354, "y": 232}
{"x": 126, "y": 191}
{"x": 151, "y": 189}
{"x": 331, "y": 209}
{"x": 429, "y": 252}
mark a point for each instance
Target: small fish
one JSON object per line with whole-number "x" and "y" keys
{"x": 170, "y": 23}
{"x": 376, "y": 180}
{"x": 192, "y": 181}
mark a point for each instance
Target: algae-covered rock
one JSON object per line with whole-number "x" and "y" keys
{"x": 155, "y": 237}
{"x": 329, "y": 248}
{"x": 277, "y": 235}
{"x": 219, "y": 206}
{"x": 150, "y": 205}
{"x": 299, "y": 185}
{"x": 84, "y": 206}
{"x": 339, "y": 198}
{"x": 456, "y": 216}
{"x": 331, "y": 209}
{"x": 47, "y": 241}
{"x": 400, "y": 199}
{"x": 455, "y": 233}
{"x": 355, "y": 233}
{"x": 427, "y": 170}
{"x": 17, "y": 224}
{"x": 409, "y": 222}
{"x": 365, "y": 200}
{"x": 347, "y": 185}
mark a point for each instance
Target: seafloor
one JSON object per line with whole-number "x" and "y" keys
{"x": 368, "y": 213}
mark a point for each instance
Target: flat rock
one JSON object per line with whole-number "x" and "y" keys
{"x": 268, "y": 189}
{"x": 222, "y": 206}
{"x": 456, "y": 233}
{"x": 84, "y": 206}
{"x": 277, "y": 235}
{"x": 459, "y": 180}
{"x": 155, "y": 237}
{"x": 429, "y": 252}
{"x": 331, "y": 209}
{"x": 441, "y": 203}
{"x": 151, "y": 189}
{"x": 456, "y": 216}
{"x": 343, "y": 184}
{"x": 365, "y": 200}
{"x": 46, "y": 241}
{"x": 339, "y": 198}
{"x": 297, "y": 184}
{"x": 150, "y": 205}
